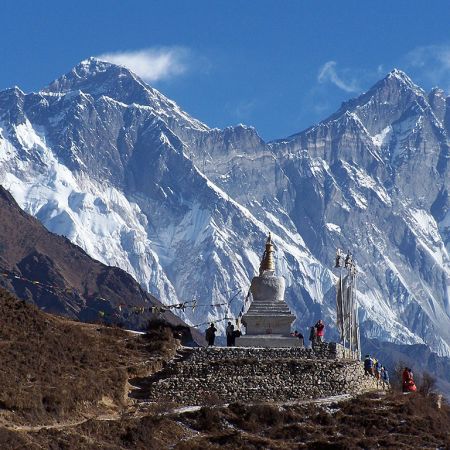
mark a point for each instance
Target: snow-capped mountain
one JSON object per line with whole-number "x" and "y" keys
{"x": 123, "y": 172}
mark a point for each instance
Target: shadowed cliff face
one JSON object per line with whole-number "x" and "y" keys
{"x": 123, "y": 172}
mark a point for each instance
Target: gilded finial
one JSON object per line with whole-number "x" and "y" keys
{"x": 267, "y": 262}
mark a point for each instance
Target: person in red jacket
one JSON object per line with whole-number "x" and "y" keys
{"x": 408, "y": 384}
{"x": 320, "y": 330}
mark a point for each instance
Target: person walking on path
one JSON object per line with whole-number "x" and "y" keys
{"x": 378, "y": 367}
{"x": 368, "y": 365}
{"x": 385, "y": 375}
{"x": 320, "y": 330}
{"x": 210, "y": 334}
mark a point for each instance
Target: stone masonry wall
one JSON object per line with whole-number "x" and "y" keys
{"x": 261, "y": 374}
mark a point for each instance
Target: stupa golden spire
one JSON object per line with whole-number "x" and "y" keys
{"x": 267, "y": 262}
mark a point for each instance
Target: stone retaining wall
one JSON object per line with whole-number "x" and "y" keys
{"x": 252, "y": 374}
{"x": 326, "y": 350}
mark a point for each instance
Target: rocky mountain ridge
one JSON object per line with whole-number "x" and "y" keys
{"x": 123, "y": 172}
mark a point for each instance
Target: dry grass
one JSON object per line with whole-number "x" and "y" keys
{"x": 53, "y": 368}
{"x": 371, "y": 421}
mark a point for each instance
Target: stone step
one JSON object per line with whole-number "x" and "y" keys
{"x": 260, "y": 308}
{"x": 268, "y": 314}
{"x": 269, "y": 306}
{"x": 260, "y": 302}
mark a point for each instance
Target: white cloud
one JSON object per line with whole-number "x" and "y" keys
{"x": 243, "y": 110}
{"x": 152, "y": 64}
{"x": 328, "y": 73}
{"x": 432, "y": 62}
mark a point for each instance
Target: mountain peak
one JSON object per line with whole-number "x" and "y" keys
{"x": 13, "y": 91}
{"x": 91, "y": 66}
{"x": 398, "y": 74}
{"x": 95, "y": 76}
{"x": 401, "y": 78}
{"x": 392, "y": 95}
{"x": 437, "y": 92}
{"x": 99, "y": 78}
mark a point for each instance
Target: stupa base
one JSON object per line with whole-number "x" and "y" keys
{"x": 268, "y": 340}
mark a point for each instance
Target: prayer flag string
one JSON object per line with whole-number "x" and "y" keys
{"x": 156, "y": 310}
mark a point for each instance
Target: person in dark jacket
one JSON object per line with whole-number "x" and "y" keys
{"x": 210, "y": 334}
{"x": 368, "y": 365}
{"x": 301, "y": 339}
{"x": 384, "y": 375}
{"x": 229, "y": 333}
{"x": 234, "y": 335}
{"x": 378, "y": 367}
{"x": 312, "y": 336}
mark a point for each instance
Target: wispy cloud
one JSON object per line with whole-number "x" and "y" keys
{"x": 152, "y": 64}
{"x": 243, "y": 110}
{"x": 432, "y": 62}
{"x": 328, "y": 74}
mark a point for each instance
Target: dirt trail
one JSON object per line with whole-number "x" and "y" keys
{"x": 138, "y": 410}
{"x": 59, "y": 425}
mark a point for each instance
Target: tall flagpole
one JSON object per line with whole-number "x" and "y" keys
{"x": 351, "y": 310}
{"x": 358, "y": 342}
{"x": 341, "y": 299}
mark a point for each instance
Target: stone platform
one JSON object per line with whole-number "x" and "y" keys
{"x": 268, "y": 341}
{"x": 229, "y": 374}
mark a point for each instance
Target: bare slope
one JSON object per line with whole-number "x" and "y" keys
{"x": 57, "y": 369}
{"x": 367, "y": 422}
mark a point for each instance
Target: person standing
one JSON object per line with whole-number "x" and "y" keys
{"x": 320, "y": 330}
{"x": 312, "y": 336}
{"x": 408, "y": 384}
{"x": 229, "y": 332}
{"x": 234, "y": 335}
{"x": 301, "y": 339}
{"x": 210, "y": 334}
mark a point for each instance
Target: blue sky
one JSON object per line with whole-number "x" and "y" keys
{"x": 279, "y": 65}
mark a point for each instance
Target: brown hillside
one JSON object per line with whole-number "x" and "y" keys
{"x": 54, "y": 369}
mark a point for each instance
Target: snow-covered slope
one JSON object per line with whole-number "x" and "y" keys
{"x": 126, "y": 174}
